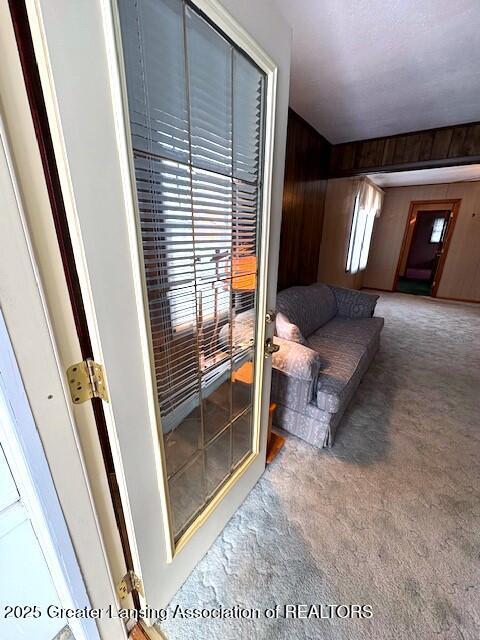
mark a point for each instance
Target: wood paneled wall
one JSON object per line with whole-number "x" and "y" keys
{"x": 306, "y": 168}
{"x": 418, "y": 150}
{"x": 461, "y": 275}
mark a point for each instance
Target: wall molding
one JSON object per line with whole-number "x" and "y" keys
{"x": 428, "y": 149}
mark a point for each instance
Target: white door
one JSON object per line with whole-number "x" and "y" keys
{"x": 39, "y": 570}
{"x": 27, "y": 588}
{"x": 161, "y": 114}
{"x": 40, "y": 576}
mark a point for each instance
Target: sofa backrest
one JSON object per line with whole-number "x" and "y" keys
{"x": 308, "y": 307}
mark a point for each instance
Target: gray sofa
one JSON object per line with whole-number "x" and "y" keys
{"x": 328, "y": 337}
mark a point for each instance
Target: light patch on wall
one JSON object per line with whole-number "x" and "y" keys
{"x": 442, "y": 175}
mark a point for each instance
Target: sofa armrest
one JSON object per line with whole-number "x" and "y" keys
{"x": 296, "y": 360}
{"x": 354, "y": 304}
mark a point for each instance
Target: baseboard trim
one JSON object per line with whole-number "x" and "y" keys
{"x": 376, "y": 289}
{"x": 468, "y": 300}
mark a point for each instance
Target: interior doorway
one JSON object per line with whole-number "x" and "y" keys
{"x": 425, "y": 245}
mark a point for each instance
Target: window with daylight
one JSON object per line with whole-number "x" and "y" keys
{"x": 437, "y": 230}
{"x": 367, "y": 206}
{"x": 196, "y": 109}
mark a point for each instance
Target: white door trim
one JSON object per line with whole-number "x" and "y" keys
{"x": 24, "y": 453}
{"x": 40, "y": 379}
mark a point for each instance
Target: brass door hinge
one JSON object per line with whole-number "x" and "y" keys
{"x": 86, "y": 381}
{"x": 130, "y": 582}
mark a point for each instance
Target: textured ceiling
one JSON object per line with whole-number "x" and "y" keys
{"x": 368, "y": 68}
{"x": 442, "y": 175}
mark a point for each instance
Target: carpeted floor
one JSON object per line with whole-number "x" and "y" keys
{"x": 389, "y": 517}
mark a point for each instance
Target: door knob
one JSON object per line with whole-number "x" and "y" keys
{"x": 270, "y": 347}
{"x": 270, "y": 317}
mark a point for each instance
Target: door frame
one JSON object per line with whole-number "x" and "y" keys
{"x": 45, "y": 430}
{"x": 26, "y": 458}
{"x": 452, "y": 205}
{"x": 63, "y": 99}
{"x": 119, "y": 548}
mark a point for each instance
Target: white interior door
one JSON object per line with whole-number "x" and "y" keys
{"x": 29, "y": 581}
{"x": 27, "y": 587}
{"x": 162, "y": 114}
{"x": 39, "y": 567}
{"x": 39, "y": 572}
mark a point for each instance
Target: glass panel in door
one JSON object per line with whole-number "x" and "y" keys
{"x": 196, "y": 111}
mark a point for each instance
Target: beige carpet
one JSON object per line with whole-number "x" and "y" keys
{"x": 390, "y": 517}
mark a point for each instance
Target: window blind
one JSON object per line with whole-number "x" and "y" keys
{"x": 196, "y": 109}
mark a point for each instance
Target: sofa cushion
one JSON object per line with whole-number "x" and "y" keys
{"x": 344, "y": 363}
{"x": 352, "y": 303}
{"x": 307, "y": 307}
{"x": 362, "y": 331}
{"x": 287, "y": 330}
